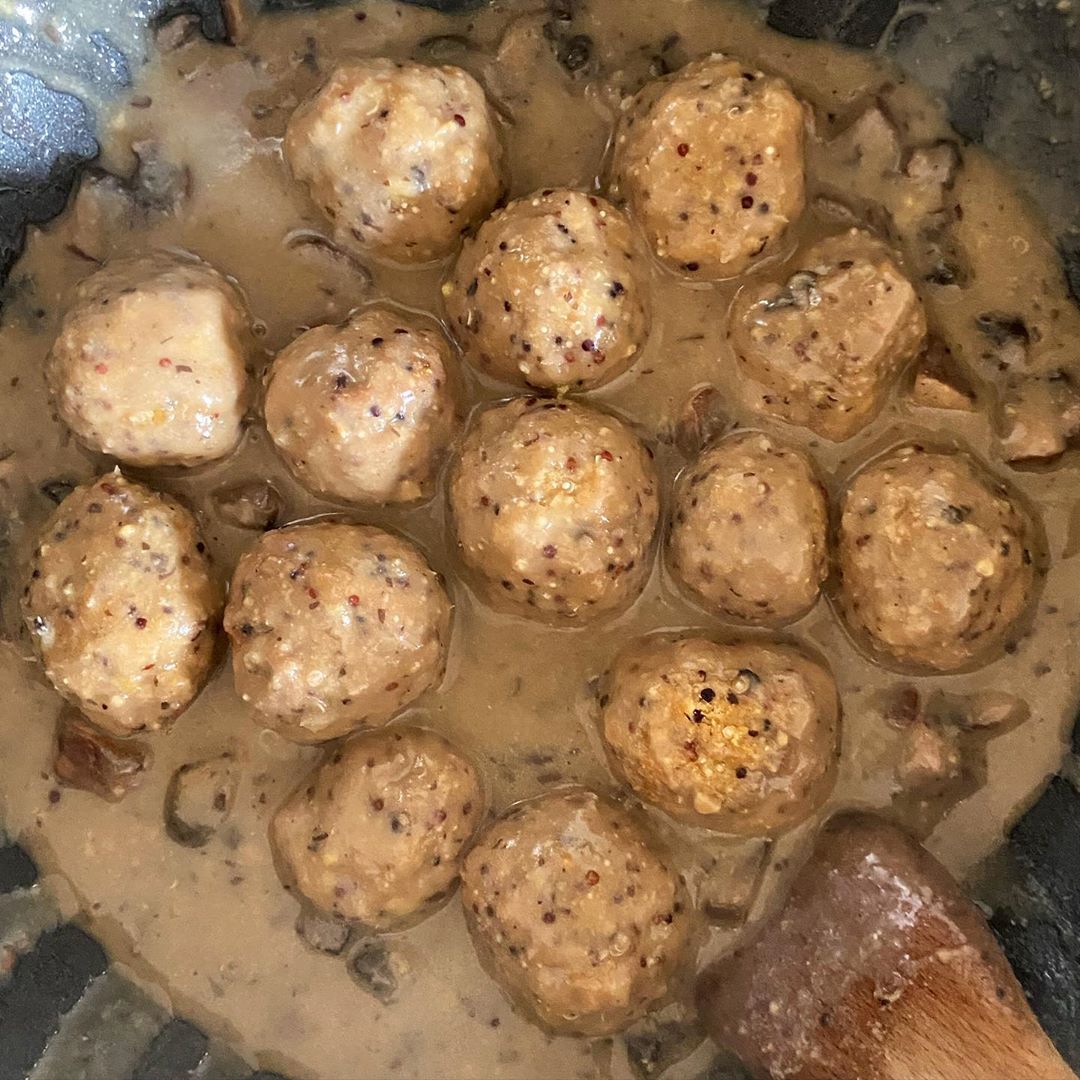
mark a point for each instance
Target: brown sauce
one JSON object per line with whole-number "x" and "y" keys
{"x": 212, "y": 927}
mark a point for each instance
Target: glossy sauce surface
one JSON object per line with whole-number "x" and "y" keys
{"x": 212, "y": 927}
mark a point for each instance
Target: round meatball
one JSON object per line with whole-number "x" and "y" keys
{"x": 555, "y": 506}
{"x": 741, "y": 738}
{"x": 576, "y": 912}
{"x": 377, "y": 832}
{"x": 935, "y": 558}
{"x": 824, "y": 349}
{"x": 150, "y": 365}
{"x": 334, "y": 627}
{"x": 551, "y": 292}
{"x": 122, "y": 606}
{"x": 710, "y": 161}
{"x": 363, "y": 412}
{"x": 403, "y": 158}
{"x": 749, "y": 528}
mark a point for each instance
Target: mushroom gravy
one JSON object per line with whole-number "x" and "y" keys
{"x": 211, "y": 927}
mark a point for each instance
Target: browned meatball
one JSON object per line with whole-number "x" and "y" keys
{"x": 935, "y": 557}
{"x": 576, "y": 912}
{"x": 555, "y": 506}
{"x": 749, "y": 529}
{"x": 363, "y": 412}
{"x": 150, "y": 362}
{"x": 377, "y": 832}
{"x": 334, "y": 627}
{"x": 742, "y": 738}
{"x": 122, "y": 606}
{"x": 824, "y": 349}
{"x": 403, "y": 158}
{"x": 551, "y": 292}
{"x": 710, "y": 161}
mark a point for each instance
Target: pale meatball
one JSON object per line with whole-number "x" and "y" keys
{"x": 334, "y": 627}
{"x": 741, "y": 738}
{"x": 551, "y": 292}
{"x": 363, "y": 412}
{"x": 576, "y": 912}
{"x": 377, "y": 832}
{"x": 749, "y": 530}
{"x": 936, "y": 559}
{"x": 122, "y": 605}
{"x": 710, "y": 161}
{"x": 555, "y": 506}
{"x": 824, "y": 349}
{"x": 403, "y": 158}
{"x": 150, "y": 365}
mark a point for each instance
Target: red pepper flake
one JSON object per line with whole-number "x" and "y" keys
{"x": 747, "y": 201}
{"x": 607, "y": 455}
{"x": 354, "y": 600}
{"x": 377, "y": 805}
{"x": 549, "y": 917}
{"x": 459, "y": 119}
{"x": 751, "y": 179}
{"x": 592, "y": 878}
{"x": 381, "y": 613}
{"x": 683, "y": 149}
{"x": 391, "y": 686}
{"x": 587, "y": 346}
{"x": 601, "y": 320}
{"x": 571, "y": 464}
{"x": 164, "y": 362}
{"x": 140, "y": 623}
{"x": 550, "y": 551}
{"x": 313, "y": 593}
{"x": 101, "y": 369}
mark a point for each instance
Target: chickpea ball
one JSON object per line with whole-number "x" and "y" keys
{"x": 551, "y": 292}
{"x": 402, "y": 158}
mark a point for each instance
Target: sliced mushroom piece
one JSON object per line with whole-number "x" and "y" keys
{"x": 871, "y": 142}
{"x": 732, "y": 880}
{"x": 159, "y": 186}
{"x": 1037, "y": 418}
{"x": 90, "y": 760}
{"x": 249, "y": 504}
{"x": 654, "y": 1045}
{"x": 939, "y": 381}
{"x": 103, "y": 210}
{"x": 372, "y": 968}
{"x": 701, "y": 420}
{"x": 930, "y": 757}
{"x": 199, "y": 799}
{"x": 315, "y": 246}
{"x": 994, "y": 710}
{"x": 324, "y": 933}
{"x": 1009, "y": 336}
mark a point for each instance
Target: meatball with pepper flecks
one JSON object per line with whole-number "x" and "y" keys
{"x": 749, "y": 529}
{"x": 741, "y": 738}
{"x": 122, "y": 605}
{"x": 403, "y": 158}
{"x": 334, "y": 627}
{"x": 710, "y": 161}
{"x": 150, "y": 365}
{"x": 576, "y": 912}
{"x": 551, "y": 292}
{"x": 823, "y": 350}
{"x": 363, "y": 412}
{"x": 935, "y": 558}
{"x": 377, "y": 832}
{"x": 555, "y": 506}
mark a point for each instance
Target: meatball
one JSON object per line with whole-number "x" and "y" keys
{"x": 377, "y": 832}
{"x": 935, "y": 558}
{"x": 122, "y": 606}
{"x": 555, "y": 506}
{"x": 710, "y": 161}
{"x": 363, "y": 412}
{"x": 150, "y": 362}
{"x": 741, "y": 738}
{"x": 551, "y": 292}
{"x": 576, "y": 912}
{"x": 334, "y": 627}
{"x": 823, "y": 350}
{"x": 749, "y": 530}
{"x": 403, "y": 158}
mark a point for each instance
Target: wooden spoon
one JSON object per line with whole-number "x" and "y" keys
{"x": 876, "y": 968}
